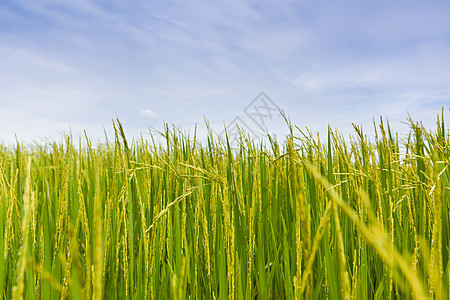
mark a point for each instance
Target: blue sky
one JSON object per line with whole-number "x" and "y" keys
{"x": 74, "y": 66}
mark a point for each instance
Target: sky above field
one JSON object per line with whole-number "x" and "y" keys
{"x": 69, "y": 66}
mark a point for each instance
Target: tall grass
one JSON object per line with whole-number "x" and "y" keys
{"x": 303, "y": 218}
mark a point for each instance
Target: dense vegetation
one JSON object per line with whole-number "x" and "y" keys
{"x": 302, "y": 218}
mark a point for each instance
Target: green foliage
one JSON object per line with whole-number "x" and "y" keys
{"x": 300, "y": 219}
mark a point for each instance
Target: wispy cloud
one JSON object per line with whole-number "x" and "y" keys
{"x": 146, "y": 113}
{"x": 85, "y": 62}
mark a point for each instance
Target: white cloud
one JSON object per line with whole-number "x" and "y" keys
{"x": 146, "y": 113}
{"x": 338, "y": 63}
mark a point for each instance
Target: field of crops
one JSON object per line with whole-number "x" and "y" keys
{"x": 298, "y": 219}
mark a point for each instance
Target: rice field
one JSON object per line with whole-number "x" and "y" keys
{"x": 302, "y": 218}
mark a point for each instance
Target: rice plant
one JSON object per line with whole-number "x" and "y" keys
{"x": 303, "y": 218}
